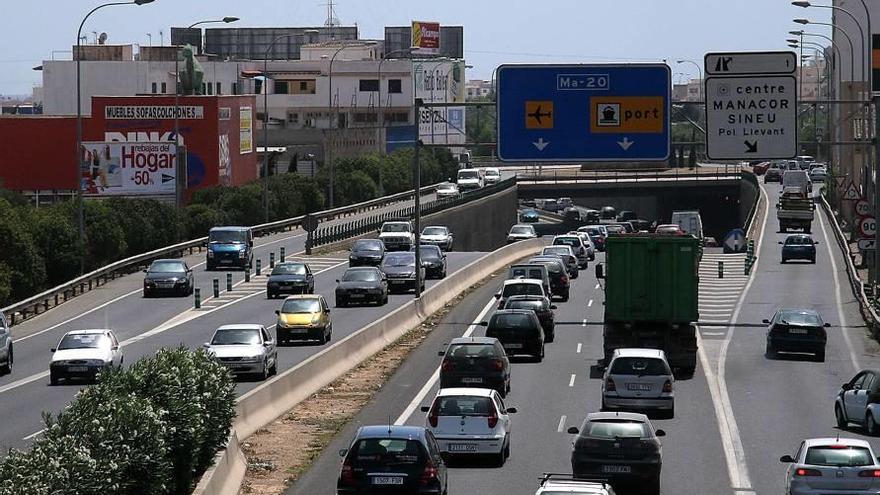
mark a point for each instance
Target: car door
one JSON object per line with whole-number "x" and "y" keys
{"x": 325, "y": 310}
{"x": 5, "y": 338}
{"x": 116, "y": 351}
{"x": 860, "y": 398}
{"x": 503, "y": 416}
{"x": 850, "y": 397}
{"x": 271, "y": 350}
{"x": 310, "y": 280}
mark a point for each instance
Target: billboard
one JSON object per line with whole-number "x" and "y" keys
{"x": 440, "y": 81}
{"x": 246, "y": 130}
{"x": 112, "y": 168}
{"x": 426, "y": 36}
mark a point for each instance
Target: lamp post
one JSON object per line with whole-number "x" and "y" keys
{"x": 385, "y": 57}
{"x": 179, "y": 164}
{"x": 699, "y": 71}
{"x": 79, "y": 131}
{"x": 265, "y": 189}
{"x": 330, "y": 118}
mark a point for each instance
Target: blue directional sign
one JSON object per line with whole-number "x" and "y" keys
{"x": 583, "y": 112}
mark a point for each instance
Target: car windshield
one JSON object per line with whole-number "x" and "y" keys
{"x": 639, "y": 366}
{"x": 434, "y": 231}
{"x": 168, "y": 267}
{"x": 552, "y": 266}
{"x": 567, "y": 241}
{"x": 463, "y": 405}
{"x": 429, "y": 253}
{"x": 236, "y": 336}
{"x": 470, "y": 174}
{"x": 395, "y": 227}
{"x": 804, "y": 318}
{"x": 798, "y": 240}
{"x": 446, "y": 187}
{"x": 396, "y": 451}
{"x": 227, "y": 236}
{"x": 361, "y": 276}
{"x": 493, "y": 173}
{"x": 839, "y": 456}
{"x": 471, "y": 351}
{"x": 615, "y": 229}
{"x": 616, "y": 429}
{"x": 524, "y": 272}
{"x": 522, "y": 290}
{"x": 593, "y": 232}
{"x": 84, "y": 341}
{"x": 367, "y": 245}
{"x": 289, "y": 269}
{"x": 521, "y": 230}
{"x": 293, "y": 306}
{"x": 401, "y": 259}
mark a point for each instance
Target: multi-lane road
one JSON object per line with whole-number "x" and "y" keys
{"x": 734, "y": 418}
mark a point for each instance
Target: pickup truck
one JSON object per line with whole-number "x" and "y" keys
{"x": 397, "y": 235}
{"x": 795, "y": 211}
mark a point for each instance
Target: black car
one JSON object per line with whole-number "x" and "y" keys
{"x": 169, "y": 277}
{"x": 433, "y": 259}
{"x": 608, "y": 213}
{"x": 475, "y": 362}
{"x": 773, "y": 175}
{"x": 626, "y": 216}
{"x": 362, "y": 284}
{"x": 400, "y": 270}
{"x": 796, "y": 330}
{"x": 542, "y": 308}
{"x": 519, "y": 331}
{"x": 799, "y": 247}
{"x": 390, "y": 459}
{"x": 366, "y": 252}
{"x": 622, "y": 447}
{"x": 560, "y": 285}
{"x": 290, "y": 277}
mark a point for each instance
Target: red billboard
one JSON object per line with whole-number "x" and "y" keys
{"x": 426, "y": 36}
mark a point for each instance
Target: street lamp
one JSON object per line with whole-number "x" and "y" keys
{"x": 845, "y": 35}
{"x": 265, "y": 191}
{"x": 699, "y": 71}
{"x": 79, "y": 132}
{"x": 179, "y": 171}
{"x": 858, "y": 24}
{"x": 385, "y": 57}
{"x": 330, "y": 118}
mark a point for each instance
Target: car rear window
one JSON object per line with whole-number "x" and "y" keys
{"x": 522, "y": 290}
{"x": 511, "y": 320}
{"x": 798, "y": 240}
{"x": 639, "y": 366}
{"x": 557, "y": 250}
{"x": 388, "y": 451}
{"x": 464, "y": 405}
{"x": 526, "y": 273}
{"x": 616, "y": 429}
{"x": 471, "y": 351}
{"x": 552, "y": 267}
{"x": 528, "y": 304}
{"x": 289, "y": 269}
{"x": 800, "y": 318}
{"x": 568, "y": 241}
{"x": 839, "y": 455}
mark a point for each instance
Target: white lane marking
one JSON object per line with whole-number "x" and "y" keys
{"x": 24, "y": 381}
{"x": 578, "y": 351}
{"x": 561, "y": 424}
{"x": 417, "y": 400}
{"x": 597, "y": 286}
{"x": 65, "y": 322}
{"x": 34, "y": 434}
{"x": 590, "y": 303}
{"x": 584, "y": 323}
{"x": 571, "y": 380}
{"x": 840, "y": 317}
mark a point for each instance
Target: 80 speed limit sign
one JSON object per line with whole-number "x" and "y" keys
{"x": 868, "y": 226}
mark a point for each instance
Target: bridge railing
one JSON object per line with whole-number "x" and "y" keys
{"x": 727, "y": 172}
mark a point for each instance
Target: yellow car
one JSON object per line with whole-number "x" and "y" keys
{"x": 304, "y": 317}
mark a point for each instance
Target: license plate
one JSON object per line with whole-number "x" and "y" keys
{"x": 226, "y": 261}
{"x": 638, "y": 386}
{"x": 800, "y": 331}
{"x": 356, "y": 296}
{"x": 472, "y": 379}
{"x": 299, "y": 330}
{"x": 513, "y": 346}
{"x": 462, "y": 447}
{"x": 388, "y": 480}
{"x": 398, "y": 282}
{"x": 616, "y": 469}
{"x": 165, "y": 286}
{"x": 77, "y": 369}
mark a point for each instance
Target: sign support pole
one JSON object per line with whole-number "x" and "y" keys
{"x": 417, "y": 184}
{"x": 876, "y": 183}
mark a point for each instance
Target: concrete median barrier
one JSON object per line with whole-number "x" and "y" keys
{"x": 264, "y": 404}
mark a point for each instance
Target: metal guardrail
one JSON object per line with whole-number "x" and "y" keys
{"x": 45, "y": 300}
{"x": 751, "y": 177}
{"x": 660, "y": 175}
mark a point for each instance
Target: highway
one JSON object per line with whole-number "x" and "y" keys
{"x": 734, "y": 418}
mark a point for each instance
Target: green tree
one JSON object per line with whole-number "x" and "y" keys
{"x": 105, "y": 238}
{"x": 55, "y": 232}
{"x": 200, "y": 218}
{"x": 20, "y": 259}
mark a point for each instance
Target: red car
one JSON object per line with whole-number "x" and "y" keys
{"x": 669, "y": 229}
{"x": 761, "y": 168}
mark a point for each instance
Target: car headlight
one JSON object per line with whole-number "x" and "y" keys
{"x": 97, "y": 362}
{"x": 242, "y": 254}
{"x": 316, "y": 318}
{"x": 210, "y": 254}
{"x": 149, "y": 283}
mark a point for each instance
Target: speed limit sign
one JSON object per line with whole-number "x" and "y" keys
{"x": 868, "y": 227}
{"x": 863, "y": 208}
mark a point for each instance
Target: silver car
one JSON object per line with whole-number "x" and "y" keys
{"x": 438, "y": 236}
{"x": 521, "y": 232}
{"x": 832, "y": 465}
{"x": 567, "y": 255}
{"x": 6, "y": 356}
{"x": 447, "y": 190}
{"x": 244, "y": 349}
{"x": 638, "y": 379}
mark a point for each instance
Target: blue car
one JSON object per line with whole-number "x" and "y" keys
{"x": 799, "y": 247}
{"x": 530, "y": 216}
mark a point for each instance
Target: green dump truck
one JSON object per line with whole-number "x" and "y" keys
{"x": 651, "y": 295}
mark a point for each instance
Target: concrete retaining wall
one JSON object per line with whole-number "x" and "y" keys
{"x": 270, "y": 400}
{"x": 479, "y": 225}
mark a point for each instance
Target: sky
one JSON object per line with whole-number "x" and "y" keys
{"x": 495, "y": 31}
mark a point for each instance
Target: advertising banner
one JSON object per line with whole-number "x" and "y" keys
{"x": 246, "y": 128}
{"x": 440, "y": 81}
{"x": 153, "y": 112}
{"x": 127, "y": 169}
{"x": 426, "y": 36}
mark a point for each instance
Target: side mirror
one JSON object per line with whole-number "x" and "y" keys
{"x": 600, "y": 272}
{"x": 780, "y": 243}
{"x": 337, "y": 280}
{"x": 441, "y": 353}
{"x": 206, "y": 345}
{"x": 786, "y": 458}
{"x": 660, "y": 433}
{"x": 511, "y": 410}
{"x": 343, "y": 452}
{"x": 498, "y": 296}
{"x": 425, "y": 408}
{"x": 483, "y": 324}
{"x": 52, "y": 350}
{"x": 765, "y": 321}
{"x": 267, "y": 343}
{"x": 114, "y": 348}
{"x": 250, "y": 243}
{"x": 145, "y": 270}
{"x": 327, "y": 311}
{"x": 552, "y": 306}
{"x": 827, "y": 325}
{"x": 573, "y": 430}
{"x": 846, "y": 386}
{"x": 815, "y": 242}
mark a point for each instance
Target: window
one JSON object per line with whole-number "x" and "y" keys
{"x": 394, "y": 86}
{"x": 210, "y": 88}
{"x": 218, "y": 88}
{"x": 303, "y": 86}
{"x": 364, "y": 118}
{"x": 280, "y": 88}
{"x": 164, "y": 88}
{"x": 154, "y": 88}
{"x": 235, "y": 89}
{"x": 293, "y": 118}
{"x": 369, "y": 85}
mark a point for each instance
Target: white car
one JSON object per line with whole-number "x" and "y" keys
{"x": 470, "y": 179}
{"x": 818, "y": 174}
{"x": 438, "y": 236}
{"x": 832, "y": 465}
{"x": 520, "y": 287}
{"x": 521, "y": 232}
{"x": 638, "y": 379}
{"x": 471, "y": 421}
{"x": 563, "y": 484}
{"x": 588, "y": 243}
{"x": 577, "y": 246}
{"x": 491, "y": 175}
{"x": 447, "y": 190}
{"x": 84, "y": 354}
{"x": 397, "y": 235}
{"x": 244, "y": 349}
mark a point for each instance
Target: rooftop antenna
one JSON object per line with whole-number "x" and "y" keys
{"x": 332, "y": 21}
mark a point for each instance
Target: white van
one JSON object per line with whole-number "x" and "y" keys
{"x": 470, "y": 179}
{"x": 797, "y": 180}
{"x": 689, "y": 221}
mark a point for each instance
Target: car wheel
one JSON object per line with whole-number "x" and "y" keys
{"x": 6, "y": 369}
{"x": 53, "y": 379}
{"x": 274, "y": 369}
{"x": 551, "y": 336}
{"x": 340, "y": 303}
{"x": 654, "y": 486}
{"x": 565, "y": 297}
{"x": 839, "y": 417}
{"x": 669, "y": 414}
{"x": 871, "y": 425}
{"x": 499, "y": 458}
{"x": 813, "y": 260}
{"x": 783, "y": 261}
{"x": 770, "y": 351}
{"x": 329, "y": 334}
{"x": 575, "y": 274}
{"x": 270, "y": 295}
{"x": 264, "y": 375}
{"x": 820, "y": 356}
{"x": 540, "y": 356}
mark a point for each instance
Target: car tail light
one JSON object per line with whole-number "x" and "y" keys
{"x": 610, "y": 386}
{"x": 499, "y": 364}
{"x": 807, "y": 472}
{"x": 432, "y": 416}
{"x": 429, "y": 474}
{"x": 493, "y": 417}
{"x": 564, "y": 279}
{"x": 871, "y": 473}
{"x": 447, "y": 365}
{"x": 347, "y": 476}
{"x": 667, "y": 387}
